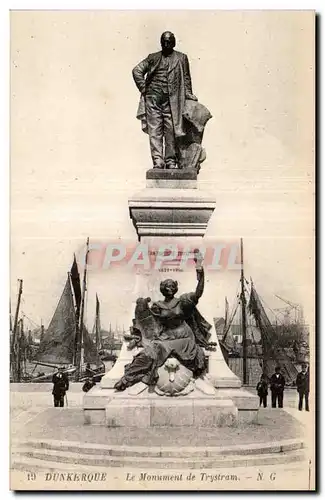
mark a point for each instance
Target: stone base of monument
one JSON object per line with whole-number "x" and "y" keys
{"x": 218, "y": 399}
{"x": 177, "y": 210}
{"x": 163, "y": 411}
{"x": 138, "y": 406}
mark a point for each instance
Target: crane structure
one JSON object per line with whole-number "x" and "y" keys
{"x": 285, "y": 312}
{"x": 298, "y": 313}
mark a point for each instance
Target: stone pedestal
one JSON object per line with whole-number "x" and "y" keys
{"x": 205, "y": 406}
{"x": 158, "y": 212}
{"x": 174, "y": 179}
{"x": 171, "y": 412}
{"x": 171, "y": 206}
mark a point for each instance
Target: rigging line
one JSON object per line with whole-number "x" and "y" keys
{"x": 266, "y": 332}
{"x": 233, "y": 307}
{"x": 230, "y": 323}
{"x": 29, "y": 319}
{"x": 276, "y": 316}
{"x": 275, "y": 350}
{"x": 266, "y": 305}
{"x": 234, "y": 303}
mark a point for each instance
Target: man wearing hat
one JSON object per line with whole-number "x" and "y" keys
{"x": 60, "y": 386}
{"x": 277, "y": 384}
{"x": 302, "y": 383}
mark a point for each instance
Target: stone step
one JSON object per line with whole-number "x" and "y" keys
{"x": 20, "y": 455}
{"x": 27, "y": 464}
{"x": 160, "y": 451}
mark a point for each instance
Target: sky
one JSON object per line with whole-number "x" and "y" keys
{"x": 78, "y": 153}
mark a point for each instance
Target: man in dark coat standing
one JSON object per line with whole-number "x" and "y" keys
{"x": 164, "y": 81}
{"x": 277, "y": 384}
{"x": 60, "y": 386}
{"x": 302, "y": 383}
{"x": 262, "y": 390}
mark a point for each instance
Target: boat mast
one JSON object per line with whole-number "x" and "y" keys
{"x": 82, "y": 309}
{"x": 225, "y": 326}
{"x": 97, "y": 325}
{"x": 77, "y": 311}
{"x": 14, "y": 357}
{"x": 10, "y": 317}
{"x": 243, "y": 312}
{"x": 20, "y": 348}
{"x": 42, "y": 330}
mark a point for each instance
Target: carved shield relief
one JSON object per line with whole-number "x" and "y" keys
{"x": 174, "y": 379}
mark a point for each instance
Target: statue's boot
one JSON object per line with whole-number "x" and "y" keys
{"x": 171, "y": 166}
{"x": 120, "y": 385}
{"x": 159, "y": 164}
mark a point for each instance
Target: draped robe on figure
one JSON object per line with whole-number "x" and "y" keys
{"x": 181, "y": 332}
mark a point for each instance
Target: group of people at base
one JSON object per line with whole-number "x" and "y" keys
{"x": 277, "y": 383}
{"x": 60, "y": 382}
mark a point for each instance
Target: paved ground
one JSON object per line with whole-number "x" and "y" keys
{"x": 67, "y": 424}
{"x": 33, "y": 416}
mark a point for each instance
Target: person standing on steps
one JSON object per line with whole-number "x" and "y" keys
{"x": 60, "y": 386}
{"x": 277, "y": 384}
{"x": 262, "y": 390}
{"x": 302, "y": 383}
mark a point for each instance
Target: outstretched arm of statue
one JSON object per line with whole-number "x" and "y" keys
{"x": 188, "y": 81}
{"x": 139, "y": 73}
{"x": 200, "y": 283}
{"x": 198, "y": 259}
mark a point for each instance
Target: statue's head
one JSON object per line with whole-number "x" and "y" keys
{"x": 168, "y": 288}
{"x": 167, "y": 42}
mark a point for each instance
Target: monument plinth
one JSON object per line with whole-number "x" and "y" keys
{"x": 172, "y": 211}
{"x": 172, "y": 174}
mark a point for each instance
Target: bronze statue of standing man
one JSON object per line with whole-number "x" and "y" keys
{"x": 169, "y": 111}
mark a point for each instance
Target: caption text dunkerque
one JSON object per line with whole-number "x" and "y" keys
{"x": 173, "y": 477}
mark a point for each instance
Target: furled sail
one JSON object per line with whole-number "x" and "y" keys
{"x": 75, "y": 280}
{"x": 90, "y": 353}
{"x": 272, "y": 355}
{"x": 57, "y": 344}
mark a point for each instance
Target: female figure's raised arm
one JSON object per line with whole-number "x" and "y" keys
{"x": 199, "y": 274}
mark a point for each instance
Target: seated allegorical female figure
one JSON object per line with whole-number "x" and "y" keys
{"x": 181, "y": 332}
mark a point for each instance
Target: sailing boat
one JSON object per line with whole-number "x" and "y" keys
{"x": 66, "y": 342}
{"x": 270, "y": 355}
